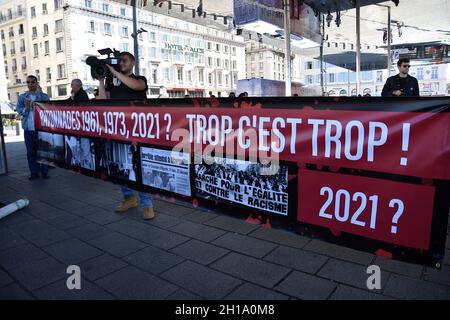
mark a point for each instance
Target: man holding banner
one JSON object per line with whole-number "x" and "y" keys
{"x": 25, "y": 109}
{"x": 128, "y": 86}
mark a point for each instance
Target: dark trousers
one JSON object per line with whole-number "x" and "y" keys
{"x": 31, "y": 144}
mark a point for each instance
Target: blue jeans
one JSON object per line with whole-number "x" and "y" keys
{"x": 145, "y": 199}
{"x": 31, "y": 144}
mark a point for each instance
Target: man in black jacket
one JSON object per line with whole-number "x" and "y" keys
{"x": 78, "y": 93}
{"x": 401, "y": 84}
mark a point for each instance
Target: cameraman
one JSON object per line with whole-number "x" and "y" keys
{"x": 126, "y": 85}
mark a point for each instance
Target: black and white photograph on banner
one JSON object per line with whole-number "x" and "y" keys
{"x": 166, "y": 170}
{"x": 80, "y": 152}
{"x": 256, "y": 185}
{"x": 50, "y": 147}
{"x": 117, "y": 160}
{"x": 87, "y": 150}
{"x": 73, "y": 152}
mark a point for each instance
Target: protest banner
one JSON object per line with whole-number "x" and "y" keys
{"x": 370, "y": 168}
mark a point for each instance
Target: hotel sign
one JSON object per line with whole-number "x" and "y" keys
{"x": 185, "y": 48}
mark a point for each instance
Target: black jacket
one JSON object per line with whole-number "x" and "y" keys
{"x": 81, "y": 95}
{"x": 411, "y": 88}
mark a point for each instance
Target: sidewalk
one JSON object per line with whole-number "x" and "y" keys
{"x": 184, "y": 253}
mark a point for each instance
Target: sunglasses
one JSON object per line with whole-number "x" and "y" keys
{"x": 31, "y": 81}
{"x": 406, "y": 66}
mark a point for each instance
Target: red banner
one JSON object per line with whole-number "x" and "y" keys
{"x": 406, "y": 143}
{"x": 374, "y": 208}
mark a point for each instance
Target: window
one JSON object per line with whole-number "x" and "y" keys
{"x": 48, "y": 73}
{"x": 123, "y": 12}
{"x": 24, "y": 63}
{"x": 178, "y": 56}
{"x": 308, "y": 65}
{"x": 22, "y": 45}
{"x": 46, "y": 48}
{"x": 124, "y": 31}
{"x": 227, "y": 64}
{"x": 21, "y": 29}
{"x": 261, "y": 65}
{"x": 62, "y": 90}
{"x": 218, "y": 62}
{"x": 152, "y": 36}
{"x": 366, "y": 75}
{"x": 59, "y": 44}
{"x": 11, "y": 32}
{"x": 331, "y": 78}
{"x": 434, "y": 73}
{"x": 61, "y": 71}
{"x": 91, "y": 26}
{"x": 309, "y": 79}
{"x": 45, "y": 29}
{"x": 343, "y": 77}
{"x": 200, "y": 76}
{"x": 58, "y": 4}
{"x": 419, "y": 73}
{"x": 189, "y": 76}
{"x": 4, "y": 49}
{"x": 227, "y": 79}
{"x": 58, "y": 25}
{"x": 34, "y": 32}
{"x": 219, "y": 78}
{"x": 233, "y": 51}
{"x": 124, "y": 46}
{"x": 367, "y": 91}
{"x": 35, "y": 50}
{"x": 210, "y": 80}
{"x": 88, "y": 3}
{"x": 37, "y": 74}
{"x": 107, "y": 28}
{"x": 154, "y": 74}
{"x": 105, "y": 7}
{"x": 208, "y": 45}
{"x": 218, "y": 47}
{"x": 209, "y": 62}
{"x": 13, "y": 47}
{"x": 44, "y": 8}
{"x": 233, "y": 65}
{"x": 33, "y": 12}
{"x": 152, "y": 52}
{"x": 343, "y": 93}
{"x": 3, "y": 35}
{"x": 165, "y": 54}
{"x": 379, "y": 76}
{"x": 165, "y": 38}
{"x": 180, "y": 75}
{"x": 331, "y": 93}
{"x": 166, "y": 72}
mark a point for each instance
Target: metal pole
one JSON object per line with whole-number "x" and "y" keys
{"x": 321, "y": 54}
{"x": 389, "y": 61}
{"x": 358, "y": 47}
{"x": 287, "y": 36}
{"x": 135, "y": 37}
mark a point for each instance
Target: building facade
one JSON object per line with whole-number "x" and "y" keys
{"x": 54, "y": 38}
{"x": 268, "y": 62}
{"x": 434, "y": 79}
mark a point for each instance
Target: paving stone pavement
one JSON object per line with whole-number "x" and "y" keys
{"x": 183, "y": 254}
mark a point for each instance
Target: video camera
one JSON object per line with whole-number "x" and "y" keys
{"x": 98, "y": 66}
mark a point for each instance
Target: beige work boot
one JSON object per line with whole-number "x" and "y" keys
{"x": 149, "y": 213}
{"x": 127, "y": 203}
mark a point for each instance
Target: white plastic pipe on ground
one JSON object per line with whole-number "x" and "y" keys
{"x": 13, "y": 207}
